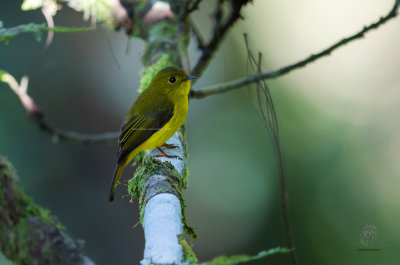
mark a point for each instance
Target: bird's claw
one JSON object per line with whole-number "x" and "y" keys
{"x": 169, "y": 146}
{"x": 163, "y": 154}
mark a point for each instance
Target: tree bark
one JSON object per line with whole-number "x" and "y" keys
{"x": 158, "y": 182}
{"x": 29, "y": 234}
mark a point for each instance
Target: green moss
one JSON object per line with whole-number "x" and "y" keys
{"x": 147, "y": 166}
{"x": 236, "y": 259}
{"x": 22, "y": 241}
{"x": 182, "y": 137}
{"x": 188, "y": 253}
{"x": 188, "y": 229}
{"x": 45, "y": 216}
{"x": 163, "y": 38}
{"x": 166, "y": 42}
{"x": 186, "y": 176}
{"x": 27, "y": 229}
{"x": 32, "y": 235}
{"x": 139, "y": 27}
{"x": 163, "y": 30}
{"x": 179, "y": 187}
{"x": 149, "y": 72}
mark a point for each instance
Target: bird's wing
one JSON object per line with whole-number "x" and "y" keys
{"x": 141, "y": 127}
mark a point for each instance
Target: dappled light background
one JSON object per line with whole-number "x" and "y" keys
{"x": 338, "y": 119}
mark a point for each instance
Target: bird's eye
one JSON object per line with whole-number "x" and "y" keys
{"x": 172, "y": 79}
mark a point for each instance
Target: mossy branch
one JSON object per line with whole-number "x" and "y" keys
{"x": 158, "y": 183}
{"x": 36, "y": 29}
{"x": 236, "y": 259}
{"x": 29, "y": 234}
{"x": 38, "y": 117}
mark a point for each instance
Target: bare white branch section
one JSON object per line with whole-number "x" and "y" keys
{"x": 179, "y": 164}
{"x": 162, "y": 221}
{"x": 162, "y": 226}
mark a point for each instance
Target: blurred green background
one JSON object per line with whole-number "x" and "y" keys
{"x": 339, "y": 130}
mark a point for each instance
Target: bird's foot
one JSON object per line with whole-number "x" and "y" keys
{"x": 163, "y": 154}
{"x": 169, "y": 146}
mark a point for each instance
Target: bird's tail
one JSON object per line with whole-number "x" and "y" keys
{"x": 117, "y": 175}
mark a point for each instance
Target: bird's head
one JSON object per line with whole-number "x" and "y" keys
{"x": 172, "y": 81}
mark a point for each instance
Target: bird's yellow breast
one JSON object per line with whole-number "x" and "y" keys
{"x": 166, "y": 93}
{"x": 171, "y": 127}
{"x": 181, "y": 106}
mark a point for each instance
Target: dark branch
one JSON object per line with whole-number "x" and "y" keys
{"x": 197, "y": 34}
{"x": 29, "y": 234}
{"x": 188, "y": 8}
{"x": 220, "y": 30}
{"x": 227, "y": 86}
{"x": 37, "y": 116}
{"x": 193, "y": 7}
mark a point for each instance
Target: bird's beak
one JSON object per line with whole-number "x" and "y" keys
{"x": 189, "y": 78}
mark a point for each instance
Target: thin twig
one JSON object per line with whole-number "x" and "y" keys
{"x": 227, "y": 86}
{"x": 237, "y": 259}
{"x": 50, "y": 22}
{"x": 220, "y": 29}
{"x": 6, "y": 33}
{"x": 190, "y": 7}
{"x": 37, "y": 116}
{"x": 197, "y": 34}
{"x": 194, "y": 6}
{"x": 111, "y": 49}
{"x": 270, "y": 120}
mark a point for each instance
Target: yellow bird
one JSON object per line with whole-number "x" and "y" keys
{"x": 154, "y": 117}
